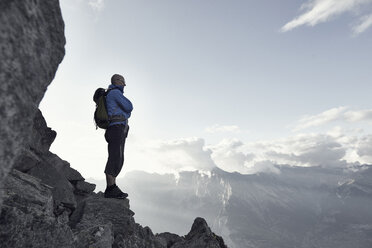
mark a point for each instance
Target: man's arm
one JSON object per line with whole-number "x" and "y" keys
{"x": 123, "y": 102}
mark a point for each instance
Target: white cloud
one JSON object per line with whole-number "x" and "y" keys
{"x": 299, "y": 150}
{"x": 335, "y": 147}
{"x": 364, "y": 149}
{"x": 334, "y": 114}
{"x": 77, "y": 5}
{"x": 186, "y": 154}
{"x": 311, "y": 150}
{"x": 303, "y": 150}
{"x": 318, "y": 11}
{"x": 228, "y": 155}
{"x": 359, "y": 115}
{"x": 97, "y": 5}
{"x": 364, "y": 23}
{"x": 218, "y": 128}
{"x": 320, "y": 119}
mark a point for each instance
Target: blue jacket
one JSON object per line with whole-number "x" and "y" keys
{"x": 118, "y": 104}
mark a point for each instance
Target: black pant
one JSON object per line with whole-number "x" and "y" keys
{"x": 115, "y": 137}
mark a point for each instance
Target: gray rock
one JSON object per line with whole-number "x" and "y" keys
{"x": 27, "y": 218}
{"x": 98, "y": 211}
{"x": 200, "y": 236}
{"x": 42, "y": 136}
{"x": 63, "y": 167}
{"x": 31, "y": 48}
{"x": 26, "y": 160}
{"x": 61, "y": 188}
{"x": 82, "y": 188}
{"x": 168, "y": 239}
{"x": 99, "y": 236}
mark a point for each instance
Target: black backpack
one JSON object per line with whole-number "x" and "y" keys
{"x": 101, "y": 117}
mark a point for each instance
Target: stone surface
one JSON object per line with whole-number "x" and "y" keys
{"x": 82, "y": 188}
{"x": 40, "y": 207}
{"x": 42, "y": 136}
{"x": 168, "y": 239}
{"x": 200, "y": 236}
{"x": 31, "y": 48}
{"x": 27, "y": 218}
{"x": 61, "y": 188}
{"x": 98, "y": 211}
{"x": 99, "y": 236}
{"x": 26, "y": 160}
{"x": 30, "y": 219}
{"x": 62, "y": 167}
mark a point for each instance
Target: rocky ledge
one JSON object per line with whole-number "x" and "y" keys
{"x": 49, "y": 204}
{"x": 43, "y": 201}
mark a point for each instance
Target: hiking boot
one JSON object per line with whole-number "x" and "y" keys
{"x": 115, "y": 192}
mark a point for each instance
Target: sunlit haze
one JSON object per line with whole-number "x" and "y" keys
{"x": 241, "y": 85}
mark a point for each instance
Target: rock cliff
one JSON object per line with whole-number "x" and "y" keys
{"x": 49, "y": 204}
{"x": 31, "y": 47}
{"x": 43, "y": 201}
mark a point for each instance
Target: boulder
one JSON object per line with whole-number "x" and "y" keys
{"x": 168, "y": 239}
{"x": 99, "y": 236}
{"x": 97, "y": 211}
{"x": 63, "y": 167}
{"x": 31, "y": 47}
{"x": 27, "y": 218}
{"x": 42, "y": 136}
{"x": 83, "y": 188}
{"x": 200, "y": 236}
{"x": 61, "y": 188}
{"x": 26, "y": 160}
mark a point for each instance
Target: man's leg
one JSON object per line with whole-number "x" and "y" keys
{"x": 114, "y": 138}
{"x": 110, "y": 180}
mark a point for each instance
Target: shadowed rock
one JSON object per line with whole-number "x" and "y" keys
{"x": 96, "y": 211}
{"x": 61, "y": 187}
{"x": 42, "y": 136}
{"x": 51, "y": 205}
{"x": 27, "y": 218}
{"x": 31, "y": 48}
{"x": 200, "y": 236}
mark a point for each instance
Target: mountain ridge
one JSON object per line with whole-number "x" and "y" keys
{"x": 266, "y": 209}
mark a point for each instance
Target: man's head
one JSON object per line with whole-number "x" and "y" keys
{"x": 117, "y": 79}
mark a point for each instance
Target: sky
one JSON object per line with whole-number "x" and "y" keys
{"x": 242, "y": 85}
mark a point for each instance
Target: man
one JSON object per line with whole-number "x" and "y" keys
{"x": 119, "y": 109}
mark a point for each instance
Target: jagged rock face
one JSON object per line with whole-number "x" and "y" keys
{"x": 31, "y": 48}
{"x": 27, "y": 217}
{"x": 199, "y": 236}
{"x": 96, "y": 212}
{"x": 36, "y": 160}
{"x": 46, "y": 202}
{"x": 49, "y": 204}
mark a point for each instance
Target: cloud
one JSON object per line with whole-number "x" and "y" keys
{"x": 186, "y": 154}
{"x": 228, "y": 155}
{"x": 334, "y": 114}
{"x": 334, "y": 148}
{"x": 218, "y": 128}
{"x": 300, "y": 150}
{"x": 320, "y": 119}
{"x": 364, "y": 149}
{"x": 310, "y": 150}
{"x": 319, "y": 11}
{"x": 97, "y": 5}
{"x": 341, "y": 146}
{"x": 358, "y": 115}
{"x": 364, "y": 23}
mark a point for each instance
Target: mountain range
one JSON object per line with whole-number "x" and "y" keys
{"x": 297, "y": 207}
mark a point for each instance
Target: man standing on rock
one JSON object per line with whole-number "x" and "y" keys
{"x": 119, "y": 109}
